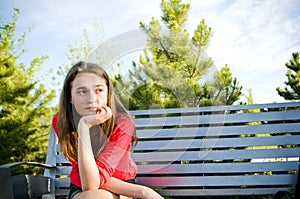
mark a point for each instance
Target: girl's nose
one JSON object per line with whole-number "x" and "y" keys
{"x": 92, "y": 97}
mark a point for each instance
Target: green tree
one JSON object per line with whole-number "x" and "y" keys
{"x": 224, "y": 90}
{"x": 170, "y": 71}
{"x": 24, "y": 113}
{"x": 292, "y": 91}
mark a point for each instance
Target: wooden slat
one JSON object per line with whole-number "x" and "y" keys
{"x": 223, "y": 168}
{"x": 223, "y": 192}
{"x": 63, "y": 170}
{"x": 61, "y": 192}
{"x": 216, "y": 119}
{"x": 242, "y": 180}
{"x": 61, "y": 159}
{"x": 157, "y": 156}
{"x": 265, "y": 106}
{"x": 62, "y": 182}
{"x": 218, "y": 131}
{"x": 51, "y": 160}
{"x": 217, "y": 143}
{"x": 58, "y": 147}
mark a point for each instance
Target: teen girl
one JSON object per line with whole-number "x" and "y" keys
{"x": 95, "y": 133}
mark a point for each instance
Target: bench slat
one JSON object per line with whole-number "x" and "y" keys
{"x": 224, "y": 192}
{"x": 62, "y": 182}
{"x": 215, "y": 155}
{"x": 63, "y": 170}
{"x": 222, "y": 168}
{"x": 218, "y": 131}
{"x": 212, "y": 181}
{"x": 62, "y": 192}
{"x": 216, "y": 119}
{"x": 265, "y": 106}
{"x": 217, "y": 143}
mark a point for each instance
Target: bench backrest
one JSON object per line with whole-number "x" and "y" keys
{"x": 218, "y": 150}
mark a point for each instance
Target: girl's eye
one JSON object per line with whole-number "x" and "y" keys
{"x": 99, "y": 90}
{"x": 81, "y": 92}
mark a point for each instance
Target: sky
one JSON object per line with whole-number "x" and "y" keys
{"x": 254, "y": 37}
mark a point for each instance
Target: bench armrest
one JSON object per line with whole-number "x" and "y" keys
{"x": 14, "y": 164}
{"x": 18, "y": 186}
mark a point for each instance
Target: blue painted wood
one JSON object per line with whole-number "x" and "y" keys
{"x": 157, "y": 156}
{"x": 217, "y": 109}
{"x": 240, "y": 191}
{"x": 212, "y": 181}
{"x": 218, "y": 168}
{"x": 220, "y": 119}
{"x": 185, "y": 132}
{"x": 219, "y": 143}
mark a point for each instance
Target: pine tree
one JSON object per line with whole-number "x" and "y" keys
{"x": 24, "y": 113}
{"x": 292, "y": 91}
{"x": 224, "y": 90}
{"x": 170, "y": 70}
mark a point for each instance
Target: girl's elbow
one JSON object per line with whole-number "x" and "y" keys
{"x": 89, "y": 187}
{"x": 92, "y": 185}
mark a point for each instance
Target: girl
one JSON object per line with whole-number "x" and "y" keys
{"x": 95, "y": 134}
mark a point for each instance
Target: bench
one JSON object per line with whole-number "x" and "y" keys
{"x": 234, "y": 150}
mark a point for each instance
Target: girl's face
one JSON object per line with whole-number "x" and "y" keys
{"x": 88, "y": 93}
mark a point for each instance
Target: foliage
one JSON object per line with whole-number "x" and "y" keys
{"x": 223, "y": 91}
{"x": 24, "y": 113}
{"x": 292, "y": 91}
{"x": 171, "y": 72}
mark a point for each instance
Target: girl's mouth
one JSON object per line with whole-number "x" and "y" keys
{"x": 94, "y": 109}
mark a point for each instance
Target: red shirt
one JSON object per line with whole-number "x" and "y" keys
{"x": 115, "y": 160}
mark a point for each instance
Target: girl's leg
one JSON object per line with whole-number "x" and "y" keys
{"x": 131, "y": 190}
{"x": 96, "y": 194}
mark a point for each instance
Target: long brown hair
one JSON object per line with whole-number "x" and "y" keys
{"x": 68, "y": 117}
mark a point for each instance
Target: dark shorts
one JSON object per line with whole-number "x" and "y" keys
{"x": 75, "y": 190}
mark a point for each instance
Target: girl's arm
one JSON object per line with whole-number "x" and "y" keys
{"x": 89, "y": 174}
{"x": 131, "y": 190}
{"x": 88, "y": 169}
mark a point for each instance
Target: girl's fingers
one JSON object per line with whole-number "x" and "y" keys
{"x": 104, "y": 114}
{"x": 101, "y": 116}
{"x": 107, "y": 111}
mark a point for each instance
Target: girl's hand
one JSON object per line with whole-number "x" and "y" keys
{"x": 102, "y": 115}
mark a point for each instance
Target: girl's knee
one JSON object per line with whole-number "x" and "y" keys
{"x": 96, "y": 194}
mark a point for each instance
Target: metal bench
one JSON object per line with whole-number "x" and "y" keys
{"x": 209, "y": 151}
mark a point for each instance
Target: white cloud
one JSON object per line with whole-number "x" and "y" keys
{"x": 254, "y": 37}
